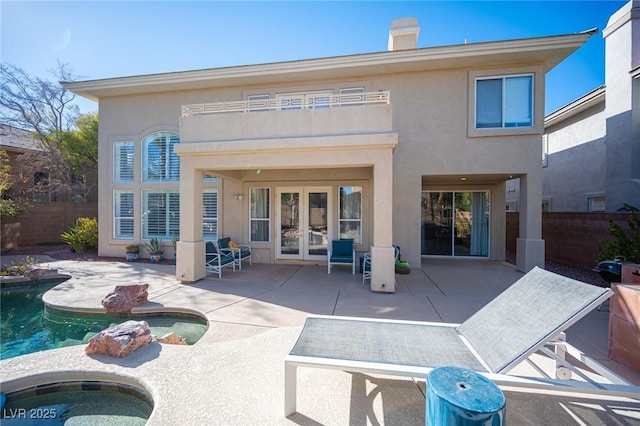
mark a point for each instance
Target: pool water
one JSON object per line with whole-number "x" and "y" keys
{"x": 77, "y": 404}
{"x": 27, "y": 326}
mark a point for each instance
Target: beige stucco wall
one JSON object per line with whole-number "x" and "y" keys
{"x": 429, "y": 113}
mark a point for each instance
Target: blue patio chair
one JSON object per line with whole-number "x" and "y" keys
{"x": 217, "y": 259}
{"x": 342, "y": 253}
{"x": 240, "y": 251}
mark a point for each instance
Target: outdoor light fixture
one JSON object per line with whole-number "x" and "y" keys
{"x": 463, "y": 178}
{"x": 238, "y": 196}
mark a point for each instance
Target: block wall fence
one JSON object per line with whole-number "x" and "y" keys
{"x": 43, "y": 224}
{"x": 571, "y": 239}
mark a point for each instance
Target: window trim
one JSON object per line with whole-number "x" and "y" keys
{"x": 145, "y": 157}
{"x": 117, "y": 166}
{"x": 537, "y": 74}
{"x": 341, "y": 220}
{"x": 116, "y": 216}
{"x": 592, "y": 199}
{"x": 215, "y": 218}
{"x": 144, "y": 203}
{"x": 261, "y": 219}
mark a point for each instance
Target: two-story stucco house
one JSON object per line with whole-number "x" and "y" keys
{"x": 409, "y": 147}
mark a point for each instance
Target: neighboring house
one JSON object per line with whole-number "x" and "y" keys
{"x": 15, "y": 142}
{"x": 410, "y": 147}
{"x": 49, "y": 213}
{"x": 591, "y": 147}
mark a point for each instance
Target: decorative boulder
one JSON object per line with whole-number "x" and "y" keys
{"x": 120, "y": 340}
{"x": 171, "y": 339}
{"x": 125, "y": 297}
{"x": 36, "y": 273}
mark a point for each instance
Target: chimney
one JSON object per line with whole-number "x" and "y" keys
{"x": 403, "y": 34}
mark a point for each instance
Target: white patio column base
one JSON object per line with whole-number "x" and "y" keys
{"x": 529, "y": 253}
{"x": 191, "y": 264}
{"x": 383, "y": 269}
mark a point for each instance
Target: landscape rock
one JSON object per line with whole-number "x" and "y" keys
{"x": 36, "y": 273}
{"x": 171, "y": 339}
{"x": 120, "y": 340}
{"x": 125, "y": 297}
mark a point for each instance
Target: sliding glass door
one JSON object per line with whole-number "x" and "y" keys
{"x": 455, "y": 223}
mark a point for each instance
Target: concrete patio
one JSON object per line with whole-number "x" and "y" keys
{"x": 235, "y": 374}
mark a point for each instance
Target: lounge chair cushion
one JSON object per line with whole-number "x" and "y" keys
{"x": 211, "y": 248}
{"x": 223, "y": 243}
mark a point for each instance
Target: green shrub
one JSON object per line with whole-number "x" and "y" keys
{"x": 9, "y": 208}
{"x": 83, "y": 235}
{"x": 625, "y": 242}
{"x": 17, "y": 268}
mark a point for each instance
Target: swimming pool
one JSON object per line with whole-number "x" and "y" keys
{"x": 78, "y": 403}
{"x": 27, "y": 326}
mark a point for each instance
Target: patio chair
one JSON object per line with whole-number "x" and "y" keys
{"x": 240, "y": 251}
{"x": 366, "y": 263}
{"x": 342, "y": 253}
{"x": 532, "y": 313}
{"x": 217, "y": 259}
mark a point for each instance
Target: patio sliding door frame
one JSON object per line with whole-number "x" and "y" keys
{"x": 453, "y": 253}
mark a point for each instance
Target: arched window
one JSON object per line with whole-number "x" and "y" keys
{"x": 159, "y": 162}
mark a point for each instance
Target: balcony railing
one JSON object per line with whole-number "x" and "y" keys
{"x": 291, "y": 102}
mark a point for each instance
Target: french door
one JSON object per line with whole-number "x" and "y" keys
{"x": 303, "y": 218}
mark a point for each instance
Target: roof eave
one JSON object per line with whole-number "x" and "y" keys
{"x": 545, "y": 50}
{"x": 575, "y": 107}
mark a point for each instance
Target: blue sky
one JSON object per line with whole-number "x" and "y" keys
{"x": 101, "y": 39}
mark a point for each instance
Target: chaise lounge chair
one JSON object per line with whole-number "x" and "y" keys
{"x": 530, "y": 314}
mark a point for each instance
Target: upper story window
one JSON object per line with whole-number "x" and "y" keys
{"x": 159, "y": 161}
{"x": 41, "y": 192}
{"x": 123, "y": 161}
{"x": 258, "y": 102}
{"x": 304, "y": 100}
{"x": 504, "y": 102}
{"x": 350, "y": 96}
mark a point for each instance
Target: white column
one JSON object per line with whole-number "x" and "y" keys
{"x": 190, "y": 265}
{"x": 530, "y": 245}
{"x": 383, "y": 278}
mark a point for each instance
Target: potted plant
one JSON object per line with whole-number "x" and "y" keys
{"x": 132, "y": 252}
{"x": 402, "y": 267}
{"x": 155, "y": 250}
{"x": 174, "y": 245}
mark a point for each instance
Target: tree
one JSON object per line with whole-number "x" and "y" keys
{"x": 8, "y": 206}
{"x": 625, "y": 242}
{"x": 42, "y": 106}
{"x": 67, "y": 141}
